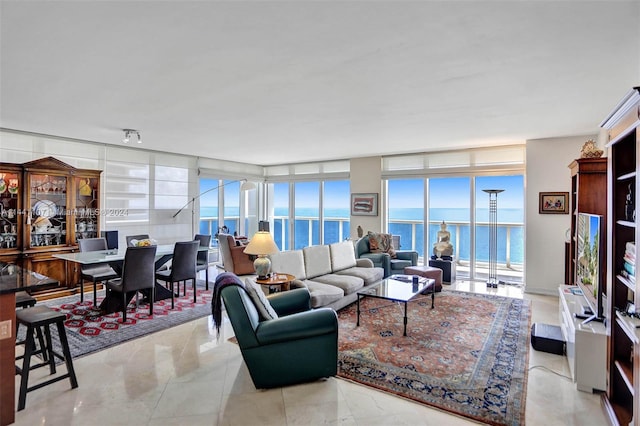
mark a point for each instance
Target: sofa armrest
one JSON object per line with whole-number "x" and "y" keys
{"x": 298, "y": 326}
{"x": 408, "y": 255}
{"x": 364, "y": 263}
{"x": 290, "y": 302}
{"x": 375, "y": 257}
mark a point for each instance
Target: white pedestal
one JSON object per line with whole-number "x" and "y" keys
{"x": 586, "y": 343}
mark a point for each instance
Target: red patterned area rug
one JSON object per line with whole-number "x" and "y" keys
{"x": 468, "y": 356}
{"x": 88, "y": 330}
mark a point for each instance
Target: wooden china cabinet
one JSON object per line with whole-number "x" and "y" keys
{"x": 56, "y": 204}
{"x": 10, "y": 209}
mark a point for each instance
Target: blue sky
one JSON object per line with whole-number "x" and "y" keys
{"x": 454, "y": 192}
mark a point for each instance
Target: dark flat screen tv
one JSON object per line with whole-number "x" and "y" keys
{"x": 590, "y": 261}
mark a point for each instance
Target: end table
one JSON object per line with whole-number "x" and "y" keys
{"x": 283, "y": 281}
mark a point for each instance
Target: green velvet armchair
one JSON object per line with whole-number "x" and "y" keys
{"x": 301, "y": 345}
{"x": 383, "y": 260}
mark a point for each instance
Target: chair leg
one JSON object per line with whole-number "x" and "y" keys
{"x": 67, "y": 354}
{"x": 206, "y": 278}
{"x": 152, "y": 298}
{"x": 49, "y": 349}
{"x": 95, "y": 293}
{"x": 172, "y": 304}
{"x": 26, "y": 366}
{"x": 194, "y": 290}
{"x": 124, "y": 307}
{"x": 81, "y": 290}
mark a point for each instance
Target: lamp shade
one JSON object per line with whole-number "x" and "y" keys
{"x": 261, "y": 244}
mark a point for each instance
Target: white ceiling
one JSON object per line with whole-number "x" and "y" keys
{"x": 276, "y": 82}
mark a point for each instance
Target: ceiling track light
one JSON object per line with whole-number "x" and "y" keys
{"x": 129, "y": 133}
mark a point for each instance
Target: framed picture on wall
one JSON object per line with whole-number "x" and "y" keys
{"x": 364, "y": 204}
{"x": 554, "y": 203}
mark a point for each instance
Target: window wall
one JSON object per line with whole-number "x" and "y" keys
{"x": 280, "y": 203}
{"x": 450, "y": 202}
{"x": 222, "y": 203}
{"x": 209, "y": 206}
{"x": 510, "y": 226}
{"x": 406, "y": 212}
{"x": 306, "y": 223}
{"x": 317, "y": 210}
{"x": 335, "y": 214}
{"x": 462, "y": 204}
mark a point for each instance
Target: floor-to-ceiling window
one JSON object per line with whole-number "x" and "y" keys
{"x": 510, "y": 227}
{"x": 335, "y": 211}
{"x": 209, "y": 206}
{"x": 405, "y": 200}
{"x": 306, "y": 214}
{"x": 224, "y": 207}
{"x": 454, "y": 189}
{"x": 280, "y": 213}
{"x": 449, "y": 202}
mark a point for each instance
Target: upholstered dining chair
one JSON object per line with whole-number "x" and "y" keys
{"x": 138, "y": 271}
{"x": 95, "y": 273}
{"x": 130, "y": 238}
{"x": 183, "y": 268}
{"x": 202, "y": 260}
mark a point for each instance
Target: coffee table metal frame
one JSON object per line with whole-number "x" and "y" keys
{"x": 398, "y": 291}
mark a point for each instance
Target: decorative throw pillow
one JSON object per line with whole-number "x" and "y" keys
{"x": 381, "y": 243}
{"x": 265, "y": 310}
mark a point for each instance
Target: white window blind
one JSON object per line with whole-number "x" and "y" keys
{"x": 500, "y": 158}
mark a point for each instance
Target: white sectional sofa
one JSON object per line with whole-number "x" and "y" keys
{"x": 331, "y": 273}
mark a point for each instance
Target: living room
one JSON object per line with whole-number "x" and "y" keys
{"x": 37, "y": 91}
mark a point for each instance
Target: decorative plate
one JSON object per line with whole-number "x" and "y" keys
{"x": 45, "y": 208}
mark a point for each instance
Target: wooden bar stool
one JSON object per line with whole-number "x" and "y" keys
{"x": 41, "y": 317}
{"x": 25, "y": 300}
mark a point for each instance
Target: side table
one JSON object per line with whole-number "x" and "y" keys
{"x": 283, "y": 281}
{"x": 448, "y": 268}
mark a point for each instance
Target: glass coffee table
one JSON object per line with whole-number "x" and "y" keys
{"x": 399, "y": 288}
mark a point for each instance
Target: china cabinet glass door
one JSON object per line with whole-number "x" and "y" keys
{"x": 48, "y": 209}
{"x": 86, "y": 207}
{"x": 9, "y": 209}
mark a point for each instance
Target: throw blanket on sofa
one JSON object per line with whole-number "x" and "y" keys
{"x": 223, "y": 280}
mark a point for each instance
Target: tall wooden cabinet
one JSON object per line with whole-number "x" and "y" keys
{"x": 588, "y": 195}
{"x": 10, "y": 212}
{"x": 51, "y": 206}
{"x": 623, "y": 390}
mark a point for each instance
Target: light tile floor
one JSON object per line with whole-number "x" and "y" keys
{"x": 185, "y": 376}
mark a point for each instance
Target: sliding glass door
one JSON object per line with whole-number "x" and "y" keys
{"x": 450, "y": 202}
{"x": 510, "y": 227}
{"x": 406, "y": 213}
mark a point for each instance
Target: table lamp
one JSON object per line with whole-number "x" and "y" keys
{"x": 262, "y": 244}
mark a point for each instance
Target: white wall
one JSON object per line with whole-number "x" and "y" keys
{"x": 545, "y": 234}
{"x": 366, "y": 176}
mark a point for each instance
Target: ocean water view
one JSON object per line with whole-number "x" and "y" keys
{"x": 406, "y": 222}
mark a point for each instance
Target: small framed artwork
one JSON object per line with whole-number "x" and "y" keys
{"x": 364, "y": 204}
{"x": 554, "y": 203}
